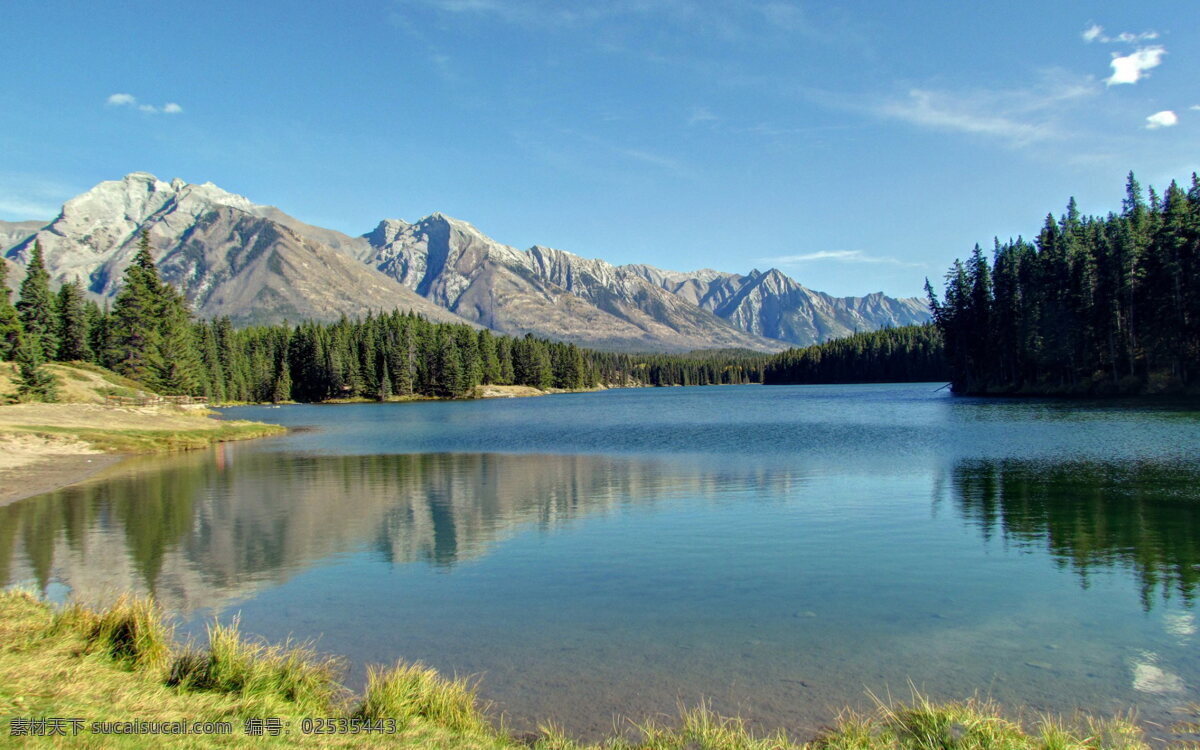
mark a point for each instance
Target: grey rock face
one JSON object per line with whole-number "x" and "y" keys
{"x": 774, "y": 305}
{"x": 255, "y": 263}
{"x": 548, "y": 292}
{"x": 229, "y": 256}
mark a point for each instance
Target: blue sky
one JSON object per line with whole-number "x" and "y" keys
{"x": 858, "y": 146}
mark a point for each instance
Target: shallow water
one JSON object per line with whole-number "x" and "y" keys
{"x": 778, "y": 550}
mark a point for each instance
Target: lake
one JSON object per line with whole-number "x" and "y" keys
{"x": 780, "y": 551}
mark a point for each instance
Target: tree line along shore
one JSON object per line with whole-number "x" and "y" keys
{"x": 1093, "y": 306}
{"x": 150, "y": 337}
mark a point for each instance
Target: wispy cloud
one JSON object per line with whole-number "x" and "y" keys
{"x": 21, "y": 209}
{"x": 838, "y": 256}
{"x": 946, "y": 112}
{"x": 647, "y": 157}
{"x": 1018, "y": 116}
{"x": 701, "y": 115}
{"x": 26, "y": 196}
{"x": 1095, "y": 33}
{"x": 744, "y": 21}
{"x": 1164, "y": 119}
{"x": 1132, "y": 68}
{"x": 129, "y": 100}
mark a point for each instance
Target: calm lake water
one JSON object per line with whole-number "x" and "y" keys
{"x": 778, "y": 550}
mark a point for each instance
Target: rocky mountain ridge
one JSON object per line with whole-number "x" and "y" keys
{"x": 255, "y": 263}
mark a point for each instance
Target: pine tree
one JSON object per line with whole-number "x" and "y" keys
{"x": 136, "y": 317}
{"x": 385, "y": 380}
{"x": 175, "y": 368}
{"x": 282, "y": 388}
{"x": 10, "y": 322}
{"x": 34, "y": 383}
{"x": 73, "y": 344}
{"x": 36, "y": 304}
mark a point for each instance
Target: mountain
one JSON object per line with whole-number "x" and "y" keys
{"x": 228, "y": 255}
{"x": 254, "y": 263}
{"x": 549, "y": 292}
{"x": 774, "y": 305}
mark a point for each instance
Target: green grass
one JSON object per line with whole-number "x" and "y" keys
{"x": 120, "y": 664}
{"x": 413, "y": 691}
{"x": 119, "y": 381}
{"x": 270, "y": 677}
{"x": 132, "y": 631}
{"x": 157, "y": 441}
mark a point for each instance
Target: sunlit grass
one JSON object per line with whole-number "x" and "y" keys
{"x": 119, "y": 662}
{"x": 256, "y": 672}
{"x": 156, "y": 441}
{"x": 413, "y": 691}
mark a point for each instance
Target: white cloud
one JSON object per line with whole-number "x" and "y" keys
{"x": 22, "y": 209}
{"x": 648, "y": 157}
{"x": 701, "y": 114}
{"x": 1095, "y": 33}
{"x": 1131, "y": 67}
{"x": 839, "y": 256}
{"x": 1195, "y": 107}
{"x": 1164, "y": 119}
{"x": 942, "y": 111}
{"x": 129, "y": 100}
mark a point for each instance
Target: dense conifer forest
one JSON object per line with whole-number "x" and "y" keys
{"x": 149, "y": 335}
{"x": 911, "y": 354}
{"x": 1093, "y": 306}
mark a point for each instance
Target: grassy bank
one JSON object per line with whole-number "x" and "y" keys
{"x": 129, "y": 440}
{"x": 127, "y": 429}
{"x": 121, "y": 664}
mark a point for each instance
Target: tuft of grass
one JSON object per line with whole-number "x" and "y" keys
{"x": 413, "y": 691}
{"x": 264, "y": 674}
{"x": 132, "y": 631}
{"x": 701, "y": 728}
{"x": 972, "y": 725}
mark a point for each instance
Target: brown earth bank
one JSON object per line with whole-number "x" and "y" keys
{"x": 47, "y": 446}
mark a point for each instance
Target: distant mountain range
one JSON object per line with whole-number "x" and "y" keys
{"x": 256, "y": 264}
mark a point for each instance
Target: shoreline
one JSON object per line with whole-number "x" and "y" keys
{"x": 100, "y": 674}
{"x": 53, "y": 472}
{"x": 45, "y": 447}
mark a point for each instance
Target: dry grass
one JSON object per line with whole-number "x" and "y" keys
{"x": 78, "y": 382}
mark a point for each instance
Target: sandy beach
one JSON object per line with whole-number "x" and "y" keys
{"x": 47, "y": 446}
{"x": 33, "y": 464}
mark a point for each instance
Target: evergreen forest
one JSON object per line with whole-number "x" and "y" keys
{"x": 1092, "y": 306}
{"x": 150, "y": 336}
{"x": 910, "y": 354}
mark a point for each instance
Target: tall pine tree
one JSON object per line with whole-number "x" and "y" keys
{"x": 10, "y": 322}
{"x": 36, "y": 303}
{"x": 136, "y": 318}
{"x": 73, "y": 330}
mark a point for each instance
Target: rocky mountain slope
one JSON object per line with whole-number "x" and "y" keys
{"x": 774, "y": 305}
{"x": 548, "y": 292}
{"x": 255, "y": 263}
{"x": 226, "y": 254}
